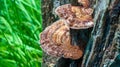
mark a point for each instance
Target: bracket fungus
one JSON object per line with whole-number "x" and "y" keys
{"x": 77, "y": 17}
{"x": 56, "y": 40}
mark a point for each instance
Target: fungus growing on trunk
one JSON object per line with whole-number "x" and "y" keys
{"x": 55, "y": 41}
{"x": 77, "y": 17}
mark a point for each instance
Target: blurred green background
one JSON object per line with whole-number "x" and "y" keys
{"x": 20, "y": 26}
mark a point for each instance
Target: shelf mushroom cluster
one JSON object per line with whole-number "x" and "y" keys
{"x": 55, "y": 39}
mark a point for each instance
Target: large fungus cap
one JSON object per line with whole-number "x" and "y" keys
{"x": 55, "y": 40}
{"x": 76, "y": 17}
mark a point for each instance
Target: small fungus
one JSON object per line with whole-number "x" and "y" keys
{"x": 85, "y": 3}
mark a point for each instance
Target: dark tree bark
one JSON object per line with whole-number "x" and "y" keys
{"x": 102, "y": 49}
{"x": 103, "y": 46}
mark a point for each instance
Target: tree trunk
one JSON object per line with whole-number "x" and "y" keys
{"x": 102, "y": 49}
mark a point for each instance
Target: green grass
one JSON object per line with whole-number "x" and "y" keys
{"x": 20, "y": 26}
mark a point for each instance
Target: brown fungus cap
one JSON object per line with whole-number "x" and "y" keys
{"x": 55, "y": 40}
{"x": 85, "y": 3}
{"x": 77, "y": 17}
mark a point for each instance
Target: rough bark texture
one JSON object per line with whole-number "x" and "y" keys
{"x": 103, "y": 47}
